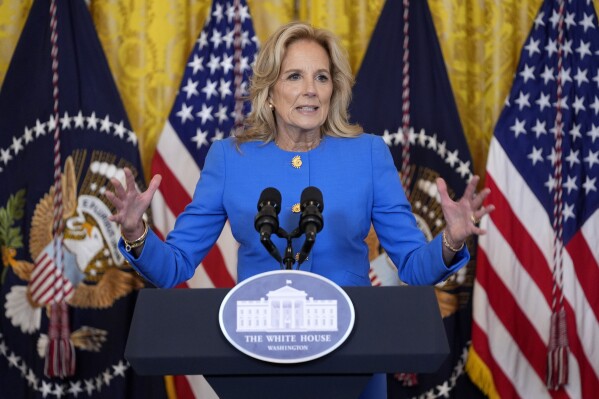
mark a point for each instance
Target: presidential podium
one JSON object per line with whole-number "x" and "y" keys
{"x": 397, "y": 329}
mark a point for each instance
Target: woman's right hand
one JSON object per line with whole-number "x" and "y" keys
{"x": 130, "y": 204}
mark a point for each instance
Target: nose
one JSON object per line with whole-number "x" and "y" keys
{"x": 309, "y": 88}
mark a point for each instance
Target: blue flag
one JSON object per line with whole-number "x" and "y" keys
{"x": 78, "y": 103}
{"x": 396, "y": 90}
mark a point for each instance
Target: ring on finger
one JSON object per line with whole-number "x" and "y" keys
{"x": 474, "y": 219}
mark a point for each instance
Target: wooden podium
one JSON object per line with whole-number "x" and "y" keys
{"x": 397, "y": 329}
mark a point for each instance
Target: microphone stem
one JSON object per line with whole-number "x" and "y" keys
{"x": 288, "y": 260}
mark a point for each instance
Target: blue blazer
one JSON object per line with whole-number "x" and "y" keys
{"x": 360, "y": 187}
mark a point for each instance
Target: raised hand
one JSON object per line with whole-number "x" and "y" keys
{"x": 130, "y": 204}
{"x": 462, "y": 217}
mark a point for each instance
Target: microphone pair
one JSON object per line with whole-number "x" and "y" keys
{"x": 311, "y": 222}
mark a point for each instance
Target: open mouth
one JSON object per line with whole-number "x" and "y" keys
{"x": 307, "y": 108}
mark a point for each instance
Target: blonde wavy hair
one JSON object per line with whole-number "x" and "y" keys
{"x": 260, "y": 124}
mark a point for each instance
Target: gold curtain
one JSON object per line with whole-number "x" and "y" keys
{"x": 481, "y": 47}
{"x": 352, "y": 21}
{"x": 147, "y": 43}
{"x": 13, "y": 14}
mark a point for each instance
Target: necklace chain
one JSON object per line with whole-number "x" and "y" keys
{"x": 309, "y": 148}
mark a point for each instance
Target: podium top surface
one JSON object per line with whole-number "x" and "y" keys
{"x": 176, "y": 331}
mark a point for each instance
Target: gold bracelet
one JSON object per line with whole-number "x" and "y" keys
{"x": 446, "y": 243}
{"x": 129, "y": 245}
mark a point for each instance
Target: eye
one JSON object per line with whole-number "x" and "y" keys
{"x": 294, "y": 76}
{"x": 322, "y": 77}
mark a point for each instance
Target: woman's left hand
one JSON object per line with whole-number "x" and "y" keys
{"x": 462, "y": 217}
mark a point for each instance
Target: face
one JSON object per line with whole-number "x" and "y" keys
{"x": 302, "y": 94}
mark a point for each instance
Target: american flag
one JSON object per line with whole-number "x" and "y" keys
{"x": 543, "y": 177}
{"x": 207, "y": 108}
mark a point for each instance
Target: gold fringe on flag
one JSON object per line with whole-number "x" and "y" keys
{"x": 480, "y": 374}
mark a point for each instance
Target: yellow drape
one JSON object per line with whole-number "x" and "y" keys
{"x": 12, "y": 18}
{"x": 481, "y": 47}
{"x": 147, "y": 43}
{"x": 352, "y": 21}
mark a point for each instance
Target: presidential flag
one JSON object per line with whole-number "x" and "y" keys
{"x": 403, "y": 93}
{"x": 535, "y": 332}
{"x": 209, "y": 106}
{"x": 66, "y": 293}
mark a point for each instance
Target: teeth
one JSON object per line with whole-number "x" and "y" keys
{"x": 307, "y": 108}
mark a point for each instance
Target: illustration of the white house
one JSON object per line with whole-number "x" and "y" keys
{"x": 286, "y": 309}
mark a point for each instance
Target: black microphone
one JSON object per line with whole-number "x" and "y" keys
{"x": 311, "y": 221}
{"x": 266, "y": 221}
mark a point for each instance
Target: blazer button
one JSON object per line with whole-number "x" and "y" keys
{"x": 296, "y": 208}
{"x": 296, "y": 162}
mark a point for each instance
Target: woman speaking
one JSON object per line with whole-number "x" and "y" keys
{"x": 296, "y": 136}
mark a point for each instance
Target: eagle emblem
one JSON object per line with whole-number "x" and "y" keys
{"x": 94, "y": 275}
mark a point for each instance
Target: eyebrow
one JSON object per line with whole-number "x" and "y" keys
{"x": 299, "y": 70}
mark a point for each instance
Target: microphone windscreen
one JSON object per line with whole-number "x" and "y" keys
{"x": 312, "y": 194}
{"x": 272, "y": 195}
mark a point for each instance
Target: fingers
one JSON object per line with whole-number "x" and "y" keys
{"x": 478, "y": 231}
{"x": 145, "y": 198}
{"x": 129, "y": 203}
{"x": 118, "y": 204}
{"x": 471, "y": 187}
{"x": 470, "y": 194}
{"x": 442, "y": 188}
{"x": 479, "y": 198}
{"x": 154, "y": 184}
{"x": 118, "y": 216}
{"x": 130, "y": 180}
{"x": 485, "y": 210}
{"x": 478, "y": 215}
{"x": 119, "y": 190}
{"x": 116, "y": 201}
{"x": 482, "y": 211}
{"x": 476, "y": 200}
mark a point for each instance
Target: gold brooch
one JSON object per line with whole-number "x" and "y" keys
{"x": 296, "y": 208}
{"x": 296, "y": 162}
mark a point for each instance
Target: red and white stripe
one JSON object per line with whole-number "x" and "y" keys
{"x": 180, "y": 175}
{"x": 513, "y": 292}
{"x": 44, "y": 280}
{"x": 374, "y": 278}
